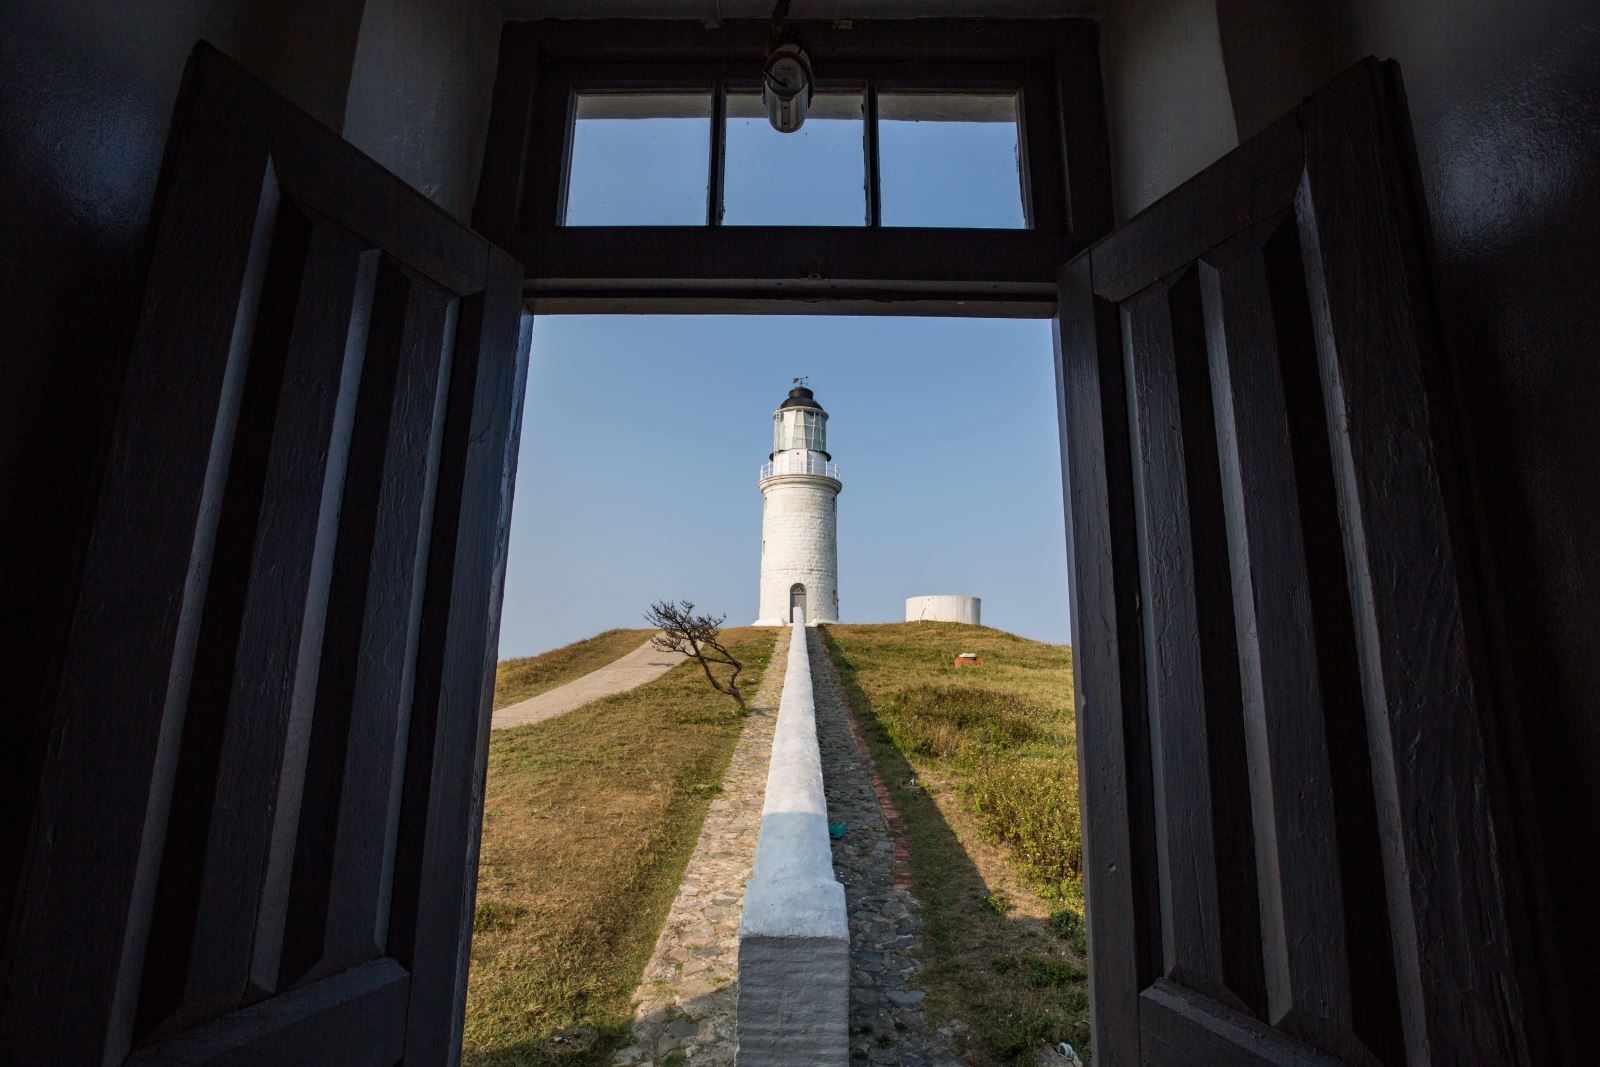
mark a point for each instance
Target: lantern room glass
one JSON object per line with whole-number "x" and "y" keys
{"x": 799, "y": 429}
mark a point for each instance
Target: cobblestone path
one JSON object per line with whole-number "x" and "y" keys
{"x": 886, "y": 1021}
{"x": 688, "y": 995}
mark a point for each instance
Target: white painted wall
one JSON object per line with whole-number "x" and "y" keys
{"x": 944, "y": 608}
{"x": 419, "y": 93}
{"x": 1167, "y": 100}
{"x": 799, "y": 543}
{"x": 794, "y": 935}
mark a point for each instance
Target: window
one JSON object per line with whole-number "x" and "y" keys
{"x": 917, "y": 158}
{"x": 949, "y": 160}
{"x": 1039, "y": 78}
{"x": 815, "y": 176}
{"x": 639, "y": 159}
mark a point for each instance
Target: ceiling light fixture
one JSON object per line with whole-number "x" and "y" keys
{"x": 786, "y": 80}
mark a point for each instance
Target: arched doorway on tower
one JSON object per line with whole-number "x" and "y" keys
{"x": 797, "y": 604}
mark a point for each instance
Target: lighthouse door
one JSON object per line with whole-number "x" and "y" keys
{"x": 797, "y": 604}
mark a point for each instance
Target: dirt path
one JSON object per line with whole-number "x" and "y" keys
{"x": 643, "y": 664}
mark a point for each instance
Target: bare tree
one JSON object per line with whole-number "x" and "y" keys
{"x": 699, "y": 636}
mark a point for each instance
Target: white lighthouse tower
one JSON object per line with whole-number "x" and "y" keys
{"x": 799, "y": 517}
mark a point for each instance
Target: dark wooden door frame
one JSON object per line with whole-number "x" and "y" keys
{"x": 1053, "y": 64}
{"x": 1457, "y": 992}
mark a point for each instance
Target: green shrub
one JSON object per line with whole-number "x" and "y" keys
{"x": 1043, "y": 972}
{"x": 1032, "y": 806}
{"x": 999, "y": 903}
{"x": 1048, "y": 972}
{"x": 1067, "y": 923}
{"x": 959, "y": 724}
{"x": 1015, "y": 771}
{"x": 1018, "y": 1035}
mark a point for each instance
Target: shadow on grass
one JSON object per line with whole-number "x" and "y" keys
{"x": 586, "y": 1047}
{"x": 1018, "y": 984}
{"x": 669, "y": 1042}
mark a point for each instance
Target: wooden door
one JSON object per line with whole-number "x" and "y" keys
{"x": 257, "y": 839}
{"x": 1289, "y": 850}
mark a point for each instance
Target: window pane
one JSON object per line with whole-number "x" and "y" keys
{"x": 640, "y": 160}
{"x": 949, "y": 160}
{"x": 815, "y": 176}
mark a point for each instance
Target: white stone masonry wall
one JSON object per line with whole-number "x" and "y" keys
{"x": 800, "y": 544}
{"x": 794, "y": 936}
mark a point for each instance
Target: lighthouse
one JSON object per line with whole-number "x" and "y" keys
{"x": 799, "y": 517}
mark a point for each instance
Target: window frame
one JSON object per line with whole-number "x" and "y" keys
{"x": 1023, "y": 82}
{"x": 1051, "y": 64}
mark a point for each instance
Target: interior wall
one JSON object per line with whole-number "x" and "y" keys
{"x": 420, "y": 91}
{"x": 87, "y": 89}
{"x": 1167, "y": 96}
{"x": 1505, "y": 104}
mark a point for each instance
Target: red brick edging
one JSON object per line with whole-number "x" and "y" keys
{"x": 891, "y": 810}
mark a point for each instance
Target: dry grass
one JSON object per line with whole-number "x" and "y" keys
{"x": 982, "y": 763}
{"x": 519, "y": 679}
{"x": 589, "y": 820}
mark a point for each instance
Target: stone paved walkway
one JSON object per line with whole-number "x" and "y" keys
{"x": 687, "y": 998}
{"x": 886, "y": 1021}
{"x": 643, "y": 664}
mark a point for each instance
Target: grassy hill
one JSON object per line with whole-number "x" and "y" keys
{"x": 589, "y": 820}
{"x": 981, "y": 761}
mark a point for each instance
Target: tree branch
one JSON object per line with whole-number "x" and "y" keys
{"x": 690, "y": 634}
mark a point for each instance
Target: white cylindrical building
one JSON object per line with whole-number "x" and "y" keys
{"x": 799, "y": 517}
{"x": 947, "y": 608}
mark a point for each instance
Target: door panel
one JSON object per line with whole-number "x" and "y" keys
{"x": 1208, "y": 918}
{"x": 1289, "y": 851}
{"x": 258, "y": 829}
{"x": 355, "y": 1017}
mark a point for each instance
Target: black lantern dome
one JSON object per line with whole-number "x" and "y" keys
{"x": 801, "y": 397}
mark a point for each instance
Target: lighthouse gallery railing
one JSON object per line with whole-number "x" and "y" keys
{"x": 792, "y": 464}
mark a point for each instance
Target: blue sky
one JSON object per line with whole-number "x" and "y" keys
{"x": 642, "y": 435}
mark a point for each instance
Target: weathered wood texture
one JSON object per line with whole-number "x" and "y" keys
{"x": 1290, "y": 850}
{"x": 256, "y": 839}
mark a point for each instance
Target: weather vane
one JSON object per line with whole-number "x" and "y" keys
{"x": 800, "y": 381}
